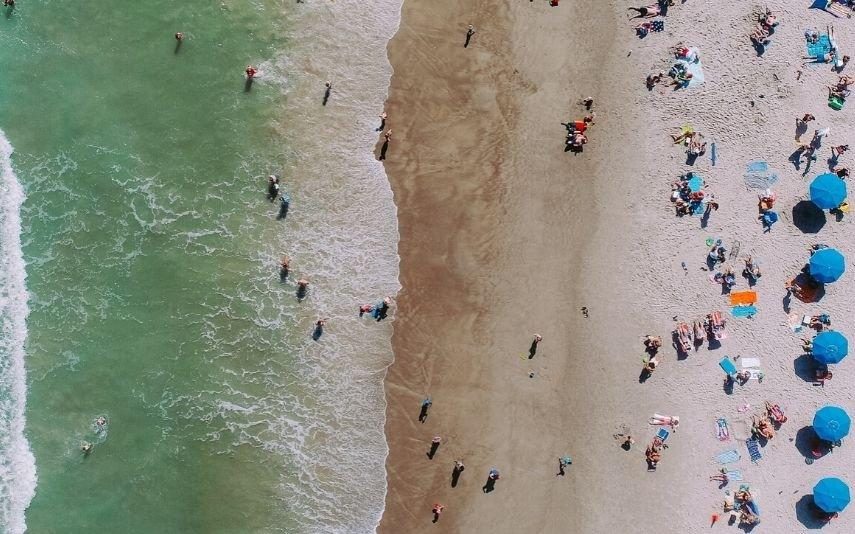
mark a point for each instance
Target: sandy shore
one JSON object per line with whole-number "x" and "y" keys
{"x": 503, "y": 234}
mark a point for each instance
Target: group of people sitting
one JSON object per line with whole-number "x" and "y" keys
{"x": 743, "y": 503}
{"x": 576, "y": 137}
{"x": 688, "y": 202}
{"x": 653, "y": 453}
{"x": 765, "y": 27}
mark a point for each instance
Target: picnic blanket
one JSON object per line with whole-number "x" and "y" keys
{"x": 753, "y": 450}
{"x": 696, "y": 69}
{"x": 728, "y": 457}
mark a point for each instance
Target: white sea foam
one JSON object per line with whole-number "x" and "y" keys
{"x": 17, "y": 465}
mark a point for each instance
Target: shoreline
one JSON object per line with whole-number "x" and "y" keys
{"x": 471, "y": 220}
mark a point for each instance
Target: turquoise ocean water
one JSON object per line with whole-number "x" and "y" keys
{"x": 138, "y": 266}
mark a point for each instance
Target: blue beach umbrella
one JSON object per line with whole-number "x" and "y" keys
{"x": 827, "y": 191}
{"x": 831, "y": 423}
{"x": 831, "y": 495}
{"x": 830, "y": 347}
{"x": 827, "y": 265}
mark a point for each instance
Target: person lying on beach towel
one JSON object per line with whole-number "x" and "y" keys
{"x": 646, "y": 12}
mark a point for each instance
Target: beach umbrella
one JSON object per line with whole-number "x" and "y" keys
{"x": 827, "y": 265}
{"x": 831, "y": 423}
{"x": 831, "y": 495}
{"x": 827, "y": 191}
{"x": 830, "y": 347}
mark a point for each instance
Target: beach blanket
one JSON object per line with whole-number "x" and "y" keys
{"x": 721, "y": 430}
{"x": 753, "y": 450}
{"x": 752, "y": 365}
{"x": 728, "y": 457}
{"x": 743, "y": 311}
{"x": 697, "y": 71}
{"x": 741, "y": 298}
{"x": 758, "y": 175}
{"x": 820, "y": 48}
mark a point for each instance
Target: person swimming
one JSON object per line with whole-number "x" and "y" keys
{"x": 86, "y": 448}
{"x": 284, "y": 268}
{"x": 319, "y": 329}
{"x": 272, "y": 187}
{"x": 284, "y": 205}
{"x": 302, "y": 288}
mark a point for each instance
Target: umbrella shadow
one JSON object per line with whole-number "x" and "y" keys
{"x": 807, "y": 217}
{"x": 809, "y": 514}
{"x": 806, "y": 289}
{"x": 810, "y": 446}
{"x": 805, "y": 368}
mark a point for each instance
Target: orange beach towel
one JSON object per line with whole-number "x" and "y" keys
{"x": 743, "y": 298}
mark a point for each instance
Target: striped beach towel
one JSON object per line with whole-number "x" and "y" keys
{"x": 721, "y": 430}
{"x": 753, "y": 450}
{"x": 728, "y": 457}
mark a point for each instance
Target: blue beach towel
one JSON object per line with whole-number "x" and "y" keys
{"x": 820, "y": 48}
{"x": 743, "y": 311}
{"x": 758, "y": 175}
{"x": 735, "y": 476}
{"x": 753, "y": 450}
{"x": 727, "y": 366}
{"x": 728, "y": 457}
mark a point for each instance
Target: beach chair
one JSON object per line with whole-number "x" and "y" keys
{"x": 684, "y": 336}
{"x": 728, "y": 367}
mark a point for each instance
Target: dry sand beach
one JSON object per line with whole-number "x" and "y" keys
{"x": 504, "y": 234}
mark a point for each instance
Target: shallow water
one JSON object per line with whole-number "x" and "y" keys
{"x": 151, "y": 252}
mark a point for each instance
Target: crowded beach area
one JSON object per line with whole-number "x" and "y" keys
{"x": 626, "y": 267}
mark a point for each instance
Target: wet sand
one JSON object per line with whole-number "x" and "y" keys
{"x": 496, "y": 224}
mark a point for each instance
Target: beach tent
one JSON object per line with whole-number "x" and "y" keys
{"x": 830, "y": 347}
{"x": 827, "y": 265}
{"x": 827, "y": 191}
{"x": 831, "y": 423}
{"x": 831, "y": 495}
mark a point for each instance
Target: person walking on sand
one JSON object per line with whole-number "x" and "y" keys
{"x": 837, "y": 151}
{"x": 327, "y": 91}
{"x": 388, "y": 135}
{"x": 382, "y": 126}
{"x": 437, "y": 510}
{"x": 533, "y": 348}
{"x": 469, "y": 33}
{"x": 426, "y": 404}
{"x": 434, "y": 446}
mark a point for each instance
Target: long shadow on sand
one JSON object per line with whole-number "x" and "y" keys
{"x": 808, "y": 217}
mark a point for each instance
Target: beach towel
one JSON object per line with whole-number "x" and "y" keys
{"x": 728, "y": 457}
{"x": 794, "y": 321}
{"x": 753, "y": 450}
{"x": 743, "y": 311}
{"x": 820, "y": 48}
{"x": 721, "y": 430}
{"x": 758, "y": 175}
{"x": 752, "y": 365}
{"x": 741, "y": 298}
{"x": 696, "y": 69}
{"x": 727, "y": 366}
{"x": 734, "y": 476}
